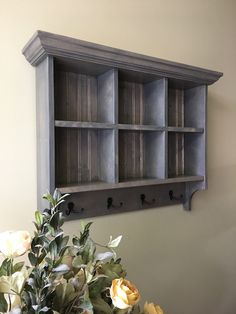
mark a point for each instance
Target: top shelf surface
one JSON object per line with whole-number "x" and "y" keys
{"x": 67, "y": 50}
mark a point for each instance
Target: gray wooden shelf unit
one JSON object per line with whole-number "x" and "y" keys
{"x": 117, "y": 130}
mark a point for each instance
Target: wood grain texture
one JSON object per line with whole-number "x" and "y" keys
{"x": 185, "y": 129}
{"x": 132, "y": 183}
{"x": 75, "y": 97}
{"x": 45, "y": 130}
{"x": 141, "y": 155}
{"x": 142, "y": 104}
{"x": 85, "y": 98}
{"x": 84, "y": 201}
{"x": 176, "y": 107}
{"x": 131, "y": 103}
{"x": 84, "y": 155}
{"x": 139, "y": 127}
{"x": 84, "y": 125}
{"x": 176, "y": 155}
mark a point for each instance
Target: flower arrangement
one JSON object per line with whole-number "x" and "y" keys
{"x": 64, "y": 278}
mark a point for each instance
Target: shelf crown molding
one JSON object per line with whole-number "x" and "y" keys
{"x": 44, "y": 44}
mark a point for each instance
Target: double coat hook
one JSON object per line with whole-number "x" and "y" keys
{"x": 71, "y": 209}
{"x": 110, "y": 203}
{"x": 144, "y": 200}
{"x": 175, "y": 198}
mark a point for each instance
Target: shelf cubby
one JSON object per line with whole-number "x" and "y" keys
{"x": 84, "y": 156}
{"x": 186, "y": 107}
{"x": 186, "y": 154}
{"x": 80, "y": 96}
{"x": 142, "y": 103}
{"x": 141, "y": 155}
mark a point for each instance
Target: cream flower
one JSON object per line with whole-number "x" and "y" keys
{"x": 14, "y": 244}
{"x": 151, "y": 308}
{"x": 124, "y": 295}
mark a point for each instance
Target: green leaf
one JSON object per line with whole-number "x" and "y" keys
{"x": 6, "y": 267}
{"x": 57, "y": 195}
{"x": 88, "y": 251}
{"x": 18, "y": 266}
{"x": 75, "y": 241}
{"x": 38, "y": 218}
{"x": 86, "y": 305}
{"x": 65, "y": 293}
{"x": 114, "y": 243}
{"x": 62, "y": 245}
{"x": 77, "y": 262}
{"x": 85, "y": 233}
{"x": 32, "y": 258}
{"x": 112, "y": 270}
{"x": 100, "y": 306}
{"x": 56, "y": 220}
{"x": 49, "y": 198}
{"x": 41, "y": 257}
{"x": 3, "y": 304}
{"x": 53, "y": 248}
{"x": 98, "y": 284}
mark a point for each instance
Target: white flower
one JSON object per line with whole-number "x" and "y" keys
{"x": 14, "y": 244}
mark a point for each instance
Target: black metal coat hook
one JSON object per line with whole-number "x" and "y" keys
{"x": 175, "y": 198}
{"x": 111, "y": 205}
{"x": 71, "y": 209}
{"x": 144, "y": 201}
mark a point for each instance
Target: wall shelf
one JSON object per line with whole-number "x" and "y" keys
{"x": 113, "y": 124}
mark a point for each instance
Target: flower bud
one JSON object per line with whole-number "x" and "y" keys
{"x": 124, "y": 295}
{"x": 151, "y": 308}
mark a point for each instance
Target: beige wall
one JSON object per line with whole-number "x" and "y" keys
{"x": 185, "y": 261}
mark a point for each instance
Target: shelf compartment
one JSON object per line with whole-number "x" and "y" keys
{"x": 186, "y": 154}
{"x": 187, "y": 107}
{"x": 85, "y": 97}
{"x": 141, "y": 155}
{"x": 84, "y": 156}
{"x": 142, "y": 103}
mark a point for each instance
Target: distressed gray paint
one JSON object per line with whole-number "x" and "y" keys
{"x": 44, "y": 43}
{"x": 45, "y": 129}
{"x": 124, "y": 124}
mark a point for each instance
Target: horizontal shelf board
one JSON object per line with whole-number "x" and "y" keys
{"x": 185, "y": 129}
{"x": 153, "y": 181}
{"x": 185, "y": 178}
{"x": 85, "y": 187}
{"x": 134, "y": 127}
{"x": 96, "y": 186}
{"x": 140, "y": 127}
{"x": 84, "y": 125}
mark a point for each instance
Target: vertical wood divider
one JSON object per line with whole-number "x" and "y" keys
{"x": 116, "y": 131}
{"x": 166, "y": 125}
{"x": 45, "y": 129}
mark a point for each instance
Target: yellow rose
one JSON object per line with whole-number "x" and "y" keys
{"x": 124, "y": 295}
{"x": 151, "y": 308}
{"x": 14, "y": 244}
